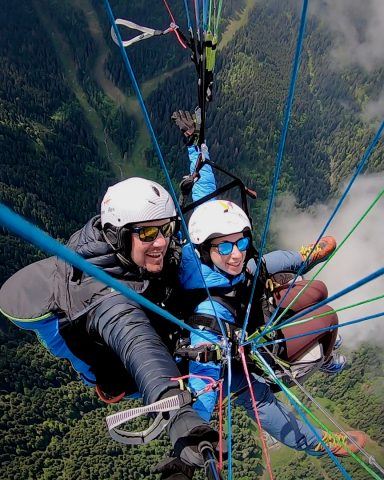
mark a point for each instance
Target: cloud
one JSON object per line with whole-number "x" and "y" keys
{"x": 358, "y": 29}
{"x": 374, "y": 109}
{"x": 359, "y": 256}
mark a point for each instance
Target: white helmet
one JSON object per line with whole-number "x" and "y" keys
{"x": 216, "y": 218}
{"x": 136, "y": 200}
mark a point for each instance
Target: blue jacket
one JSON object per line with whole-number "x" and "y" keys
{"x": 207, "y": 182}
{"x": 192, "y": 273}
{"x": 191, "y": 277}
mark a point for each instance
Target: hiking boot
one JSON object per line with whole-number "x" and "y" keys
{"x": 335, "y": 364}
{"x": 322, "y": 251}
{"x": 340, "y": 444}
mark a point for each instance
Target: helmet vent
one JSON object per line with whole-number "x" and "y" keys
{"x": 156, "y": 190}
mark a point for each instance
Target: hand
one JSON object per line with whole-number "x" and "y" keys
{"x": 187, "y": 447}
{"x": 172, "y": 468}
{"x": 189, "y": 125}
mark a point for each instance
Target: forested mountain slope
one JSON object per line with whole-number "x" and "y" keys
{"x": 327, "y": 136}
{"x": 69, "y": 128}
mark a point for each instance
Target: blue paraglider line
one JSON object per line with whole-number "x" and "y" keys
{"x": 18, "y": 225}
{"x": 313, "y": 332}
{"x": 287, "y": 114}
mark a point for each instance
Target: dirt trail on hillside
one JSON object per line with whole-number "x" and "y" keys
{"x": 106, "y": 147}
{"x": 136, "y": 163}
{"x": 129, "y": 103}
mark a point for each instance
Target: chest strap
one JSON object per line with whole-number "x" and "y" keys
{"x": 206, "y": 352}
{"x": 202, "y": 353}
{"x": 209, "y": 322}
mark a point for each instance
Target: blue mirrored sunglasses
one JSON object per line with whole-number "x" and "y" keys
{"x": 225, "y": 248}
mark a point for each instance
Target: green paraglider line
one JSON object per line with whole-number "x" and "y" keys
{"x": 279, "y": 157}
{"x": 378, "y": 273}
{"x": 370, "y": 458}
{"x": 258, "y": 344}
{"x": 357, "y": 172}
{"x": 325, "y": 428}
{"x": 218, "y": 18}
{"x": 285, "y": 390}
{"x": 329, "y": 259}
{"x": 253, "y": 336}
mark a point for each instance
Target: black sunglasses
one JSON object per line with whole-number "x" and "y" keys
{"x": 225, "y": 248}
{"x": 150, "y": 233}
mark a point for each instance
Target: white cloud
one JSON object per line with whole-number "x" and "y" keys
{"x": 374, "y": 109}
{"x": 360, "y": 255}
{"x": 358, "y": 26}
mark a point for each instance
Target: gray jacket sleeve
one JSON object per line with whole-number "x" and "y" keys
{"x": 125, "y": 327}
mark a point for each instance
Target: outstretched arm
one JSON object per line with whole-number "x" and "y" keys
{"x": 206, "y": 184}
{"x": 125, "y": 328}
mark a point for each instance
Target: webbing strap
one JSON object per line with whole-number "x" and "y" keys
{"x": 203, "y": 353}
{"x": 153, "y": 431}
{"x": 146, "y": 31}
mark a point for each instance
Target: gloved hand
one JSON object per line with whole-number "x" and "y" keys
{"x": 172, "y": 468}
{"x": 186, "y": 430}
{"x": 189, "y": 125}
{"x": 186, "y": 440}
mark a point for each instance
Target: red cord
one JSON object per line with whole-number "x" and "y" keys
{"x": 174, "y": 30}
{"x": 264, "y": 445}
{"x": 211, "y": 385}
{"x": 106, "y": 399}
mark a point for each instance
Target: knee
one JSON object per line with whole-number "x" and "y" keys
{"x": 262, "y": 392}
{"x": 320, "y": 291}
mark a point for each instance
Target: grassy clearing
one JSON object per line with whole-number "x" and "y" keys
{"x": 235, "y": 25}
{"x": 283, "y": 455}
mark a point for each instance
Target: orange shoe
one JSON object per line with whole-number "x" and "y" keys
{"x": 322, "y": 251}
{"x": 340, "y": 445}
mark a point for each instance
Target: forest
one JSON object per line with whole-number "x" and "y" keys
{"x": 70, "y": 127}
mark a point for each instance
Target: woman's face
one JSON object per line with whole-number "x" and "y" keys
{"x": 233, "y": 262}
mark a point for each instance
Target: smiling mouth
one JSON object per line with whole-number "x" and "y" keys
{"x": 155, "y": 255}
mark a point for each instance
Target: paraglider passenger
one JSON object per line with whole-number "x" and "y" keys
{"x": 114, "y": 343}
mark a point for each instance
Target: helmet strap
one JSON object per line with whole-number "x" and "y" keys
{"x": 110, "y": 235}
{"x": 116, "y": 237}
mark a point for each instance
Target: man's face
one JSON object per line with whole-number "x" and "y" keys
{"x": 150, "y": 255}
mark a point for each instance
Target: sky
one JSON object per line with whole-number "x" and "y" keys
{"x": 359, "y": 256}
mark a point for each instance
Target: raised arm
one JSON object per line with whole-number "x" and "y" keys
{"x": 206, "y": 184}
{"x": 189, "y": 127}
